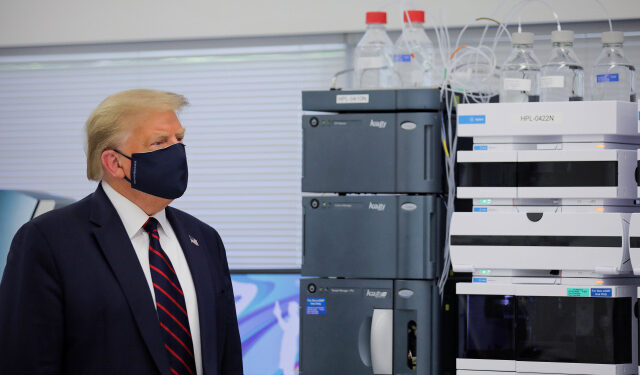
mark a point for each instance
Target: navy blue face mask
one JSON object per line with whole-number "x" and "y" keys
{"x": 162, "y": 173}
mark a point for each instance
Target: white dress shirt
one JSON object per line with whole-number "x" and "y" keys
{"x": 133, "y": 219}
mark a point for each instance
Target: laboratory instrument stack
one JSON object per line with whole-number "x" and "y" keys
{"x": 554, "y": 190}
{"x": 374, "y": 223}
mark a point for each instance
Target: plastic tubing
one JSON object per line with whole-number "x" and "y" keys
{"x": 489, "y": 55}
{"x": 517, "y": 11}
{"x": 474, "y": 57}
{"x": 606, "y": 13}
{"x": 546, "y": 4}
{"x": 491, "y": 61}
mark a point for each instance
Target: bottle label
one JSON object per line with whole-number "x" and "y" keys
{"x": 612, "y": 77}
{"x": 516, "y": 84}
{"x": 552, "y": 82}
{"x": 369, "y": 63}
{"x": 402, "y": 58}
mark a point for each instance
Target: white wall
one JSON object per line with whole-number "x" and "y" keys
{"x": 38, "y": 22}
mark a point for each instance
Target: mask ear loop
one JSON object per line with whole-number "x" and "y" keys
{"x": 125, "y": 177}
{"x": 116, "y": 150}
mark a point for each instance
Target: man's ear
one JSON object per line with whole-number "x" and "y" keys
{"x": 111, "y": 164}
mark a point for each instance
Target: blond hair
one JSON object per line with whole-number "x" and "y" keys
{"x": 107, "y": 126}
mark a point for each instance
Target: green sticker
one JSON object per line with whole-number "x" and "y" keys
{"x": 577, "y": 292}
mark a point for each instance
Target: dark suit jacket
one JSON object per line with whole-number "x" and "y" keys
{"x": 74, "y": 299}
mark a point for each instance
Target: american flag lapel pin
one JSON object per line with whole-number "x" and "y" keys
{"x": 194, "y": 241}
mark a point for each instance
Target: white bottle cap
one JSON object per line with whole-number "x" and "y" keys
{"x": 562, "y": 36}
{"x": 521, "y": 38}
{"x": 612, "y": 37}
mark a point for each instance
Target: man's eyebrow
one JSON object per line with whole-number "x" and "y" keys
{"x": 160, "y": 135}
{"x": 164, "y": 135}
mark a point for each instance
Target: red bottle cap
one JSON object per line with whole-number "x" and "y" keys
{"x": 376, "y": 17}
{"x": 416, "y": 16}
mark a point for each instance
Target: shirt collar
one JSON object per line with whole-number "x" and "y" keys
{"x": 163, "y": 223}
{"x": 132, "y": 216}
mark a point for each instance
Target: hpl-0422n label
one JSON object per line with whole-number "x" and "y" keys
{"x": 538, "y": 118}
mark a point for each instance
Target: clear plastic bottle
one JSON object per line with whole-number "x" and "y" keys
{"x": 520, "y": 76}
{"x": 373, "y": 65}
{"x": 562, "y": 78}
{"x": 413, "y": 52}
{"x": 613, "y": 75}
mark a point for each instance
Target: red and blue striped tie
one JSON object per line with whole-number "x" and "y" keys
{"x": 172, "y": 310}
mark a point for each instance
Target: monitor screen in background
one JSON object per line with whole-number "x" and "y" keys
{"x": 16, "y": 208}
{"x": 269, "y": 344}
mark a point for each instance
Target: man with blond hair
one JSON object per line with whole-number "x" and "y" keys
{"x": 119, "y": 282}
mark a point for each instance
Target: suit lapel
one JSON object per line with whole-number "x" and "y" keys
{"x": 118, "y": 250}
{"x": 201, "y": 273}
